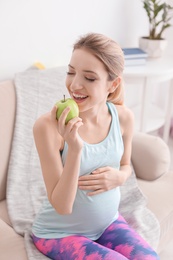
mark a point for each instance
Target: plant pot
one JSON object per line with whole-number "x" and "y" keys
{"x": 154, "y": 48}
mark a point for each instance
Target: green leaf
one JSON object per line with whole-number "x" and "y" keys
{"x": 159, "y": 14}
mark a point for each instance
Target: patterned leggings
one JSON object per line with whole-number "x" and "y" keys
{"x": 119, "y": 242}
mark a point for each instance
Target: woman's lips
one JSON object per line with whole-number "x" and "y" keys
{"x": 79, "y": 97}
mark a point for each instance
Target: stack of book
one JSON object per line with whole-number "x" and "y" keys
{"x": 134, "y": 56}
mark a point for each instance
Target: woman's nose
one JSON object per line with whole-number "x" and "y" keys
{"x": 75, "y": 83}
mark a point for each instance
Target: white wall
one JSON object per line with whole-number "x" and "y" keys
{"x": 44, "y": 30}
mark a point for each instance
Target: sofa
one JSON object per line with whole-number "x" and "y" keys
{"x": 150, "y": 160}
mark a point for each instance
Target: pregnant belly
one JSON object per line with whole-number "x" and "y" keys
{"x": 92, "y": 214}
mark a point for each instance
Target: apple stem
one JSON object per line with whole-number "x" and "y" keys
{"x": 64, "y": 98}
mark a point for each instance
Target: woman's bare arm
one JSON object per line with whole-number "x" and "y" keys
{"x": 61, "y": 182}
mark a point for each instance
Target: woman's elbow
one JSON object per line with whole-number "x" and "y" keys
{"x": 61, "y": 209}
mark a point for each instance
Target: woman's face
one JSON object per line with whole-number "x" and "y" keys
{"x": 87, "y": 80}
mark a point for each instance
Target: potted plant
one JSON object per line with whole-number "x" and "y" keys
{"x": 159, "y": 15}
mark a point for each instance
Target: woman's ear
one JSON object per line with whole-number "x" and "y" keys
{"x": 115, "y": 84}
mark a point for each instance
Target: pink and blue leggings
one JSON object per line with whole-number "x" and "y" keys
{"x": 119, "y": 242}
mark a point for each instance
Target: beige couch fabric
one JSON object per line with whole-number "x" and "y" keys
{"x": 149, "y": 148}
{"x": 7, "y": 116}
{"x": 37, "y": 91}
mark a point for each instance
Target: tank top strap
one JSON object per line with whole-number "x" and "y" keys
{"x": 115, "y": 129}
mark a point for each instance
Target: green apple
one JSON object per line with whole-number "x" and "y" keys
{"x": 69, "y": 102}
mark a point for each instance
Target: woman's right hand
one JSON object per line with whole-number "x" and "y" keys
{"x": 69, "y": 131}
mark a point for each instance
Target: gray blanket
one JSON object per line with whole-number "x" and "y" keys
{"x": 36, "y": 92}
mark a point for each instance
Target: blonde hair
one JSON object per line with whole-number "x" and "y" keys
{"x": 111, "y": 55}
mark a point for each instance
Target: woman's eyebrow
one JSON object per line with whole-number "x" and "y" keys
{"x": 70, "y": 66}
{"x": 88, "y": 71}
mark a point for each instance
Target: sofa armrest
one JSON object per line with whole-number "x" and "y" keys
{"x": 150, "y": 156}
{"x": 7, "y": 120}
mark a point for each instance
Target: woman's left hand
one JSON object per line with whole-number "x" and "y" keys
{"x": 101, "y": 180}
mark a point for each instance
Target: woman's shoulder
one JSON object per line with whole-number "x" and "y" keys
{"x": 44, "y": 128}
{"x": 124, "y": 112}
{"x": 42, "y": 122}
{"x": 126, "y": 117}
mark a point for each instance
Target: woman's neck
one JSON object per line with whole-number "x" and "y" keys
{"x": 95, "y": 115}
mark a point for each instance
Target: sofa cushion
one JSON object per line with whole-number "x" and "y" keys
{"x": 4, "y": 212}
{"x": 163, "y": 209}
{"x": 12, "y": 244}
{"x": 152, "y": 152}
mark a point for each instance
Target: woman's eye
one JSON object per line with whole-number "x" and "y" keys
{"x": 70, "y": 73}
{"x": 90, "y": 79}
